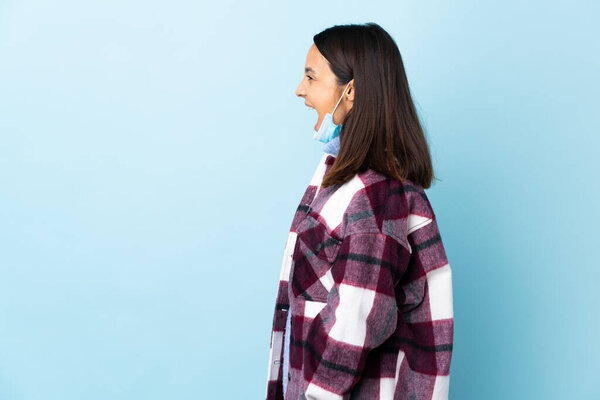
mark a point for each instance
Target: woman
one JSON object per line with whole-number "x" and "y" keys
{"x": 364, "y": 307}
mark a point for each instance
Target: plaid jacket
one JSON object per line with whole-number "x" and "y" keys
{"x": 367, "y": 281}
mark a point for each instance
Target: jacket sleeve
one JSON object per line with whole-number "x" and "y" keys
{"x": 427, "y": 324}
{"x": 360, "y": 314}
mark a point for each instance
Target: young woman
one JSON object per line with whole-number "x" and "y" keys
{"x": 364, "y": 307}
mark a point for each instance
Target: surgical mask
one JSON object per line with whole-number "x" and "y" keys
{"x": 328, "y": 130}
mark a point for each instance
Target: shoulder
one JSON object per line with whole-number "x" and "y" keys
{"x": 380, "y": 204}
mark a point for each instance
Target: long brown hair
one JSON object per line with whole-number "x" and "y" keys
{"x": 383, "y": 115}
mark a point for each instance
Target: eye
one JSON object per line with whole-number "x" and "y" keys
{"x": 309, "y": 78}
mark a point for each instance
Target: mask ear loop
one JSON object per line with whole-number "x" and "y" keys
{"x": 341, "y": 97}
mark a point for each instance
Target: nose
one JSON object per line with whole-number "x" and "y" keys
{"x": 300, "y": 92}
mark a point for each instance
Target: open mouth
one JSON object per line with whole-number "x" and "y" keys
{"x": 312, "y": 108}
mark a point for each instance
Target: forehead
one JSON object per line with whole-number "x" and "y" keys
{"x": 316, "y": 63}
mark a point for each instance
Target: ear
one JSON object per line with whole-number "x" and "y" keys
{"x": 350, "y": 91}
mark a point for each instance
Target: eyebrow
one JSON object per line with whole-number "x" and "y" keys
{"x": 309, "y": 69}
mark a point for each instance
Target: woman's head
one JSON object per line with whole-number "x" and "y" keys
{"x": 322, "y": 89}
{"x": 376, "y": 110}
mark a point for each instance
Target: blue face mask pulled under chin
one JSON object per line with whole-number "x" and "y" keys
{"x": 328, "y": 130}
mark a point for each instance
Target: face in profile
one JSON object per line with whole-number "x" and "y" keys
{"x": 320, "y": 89}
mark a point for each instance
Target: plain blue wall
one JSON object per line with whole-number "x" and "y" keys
{"x": 152, "y": 155}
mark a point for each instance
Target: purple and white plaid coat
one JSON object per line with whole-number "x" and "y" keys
{"x": 366, "y": 278}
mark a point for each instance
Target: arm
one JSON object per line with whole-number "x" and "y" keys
{"x": 427, "y": 323}
{"x": 360, "y": 314}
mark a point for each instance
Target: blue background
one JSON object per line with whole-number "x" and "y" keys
{"x": 152, "y": 155}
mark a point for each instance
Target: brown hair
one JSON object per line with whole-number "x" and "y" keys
{"x": 383, "y": 115}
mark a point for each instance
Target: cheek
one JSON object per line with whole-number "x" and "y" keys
{"x": 316, "y": 102}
